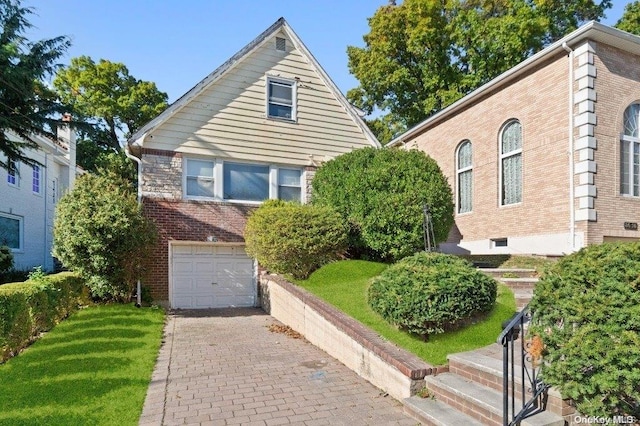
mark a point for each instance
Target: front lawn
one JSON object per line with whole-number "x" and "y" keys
{"x": 93, "y": 368}
{"x": 344, "y": 284}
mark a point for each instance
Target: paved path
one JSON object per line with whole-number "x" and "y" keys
{"x": 224, "y": 367}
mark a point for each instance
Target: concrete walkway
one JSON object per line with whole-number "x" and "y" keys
{"x": 225, "y": 367}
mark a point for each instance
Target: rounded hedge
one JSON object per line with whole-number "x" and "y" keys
{"x": 586, "y": 309}
{"x": 430, "y": 293}
{"x": 6, "y": 259}
{"x": 295, "y": 239}
{"x": 380, "y": 193}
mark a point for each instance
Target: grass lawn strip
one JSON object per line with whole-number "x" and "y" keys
{"x": 93, "y": 368}
{"x": 344, "y": 284}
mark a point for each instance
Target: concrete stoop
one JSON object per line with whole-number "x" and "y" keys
{"x": 521, "y": 281}
{"x": 471, "y": 393}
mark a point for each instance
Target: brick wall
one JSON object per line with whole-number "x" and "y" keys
{"x": 539, "y": 101}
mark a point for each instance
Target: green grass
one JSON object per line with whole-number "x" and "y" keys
{"x": 344, "y": 284}
{"x": 93, "y": 368}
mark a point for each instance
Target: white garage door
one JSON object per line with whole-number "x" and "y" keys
{"x": 207, "y": 276}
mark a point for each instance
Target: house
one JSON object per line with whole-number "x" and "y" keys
{"x": 255, "y": 128}
{"x": 28, "y": 198}
{"x": 545, "y": 158}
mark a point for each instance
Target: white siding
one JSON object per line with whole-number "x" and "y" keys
{"x": 228, "y": 119}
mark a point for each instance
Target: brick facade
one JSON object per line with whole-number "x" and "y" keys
{"x": 178, "y": 219}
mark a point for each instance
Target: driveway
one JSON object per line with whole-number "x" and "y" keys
{"x": 242, "y": 367}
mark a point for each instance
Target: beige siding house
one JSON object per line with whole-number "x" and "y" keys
{"x": 254, "y": 129}
{"x": 545, "y": 159}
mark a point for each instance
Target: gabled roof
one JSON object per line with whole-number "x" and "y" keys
{"x": 138, "y": 137}
{"x": 589, "y": 31}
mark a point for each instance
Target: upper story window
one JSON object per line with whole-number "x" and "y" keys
{"x": 511, "y": 163}
{"x": 464, "y": 171}
{"x": 281, "y": 98}
{"x": 35, "y": 183}
{"x": 242, "y": 182}
{"x": 13, "y": 177}
{"x": 11, "y": 231}
{"x": 199, "y": 178}
{"x": 630, "y": 152}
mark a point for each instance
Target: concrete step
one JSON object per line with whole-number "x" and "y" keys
{"x": 509, "y": 272}
{"x": 480, "y": 402}
{"x": 522, "y": 299}
{"x": 516, "y": 284}
{"x": 487, "y": 371}
{"x": 431, "y": 412}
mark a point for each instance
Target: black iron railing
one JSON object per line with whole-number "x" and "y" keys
{"x": 528, "y": 396}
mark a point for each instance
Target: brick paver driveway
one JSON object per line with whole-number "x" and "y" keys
{"x": 224, "y": 367}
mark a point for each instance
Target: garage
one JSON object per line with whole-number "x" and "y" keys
{"x": 211, "y": 276}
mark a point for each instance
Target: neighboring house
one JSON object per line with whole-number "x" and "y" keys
{"x": 545, "y": 159}
{"x": 28, "y": 198}
{"x": 255, "y": 128}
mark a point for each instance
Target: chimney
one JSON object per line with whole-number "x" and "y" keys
{"x": 68, "y": 135}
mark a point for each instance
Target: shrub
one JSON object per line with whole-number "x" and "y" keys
{"x": 587, "y": 311}
{"x": 291, "y": 238}
{"x": 34, "y": 306}
{"x": 6, "y": 259}
{"x": 101, "y": 233}
{"x": 380, "y": 193}
{"x": 429, "y": 293}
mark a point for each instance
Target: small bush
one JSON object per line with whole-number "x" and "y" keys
{"x": 380, "y": 194}
{"x": 6, "y": 259}
{"x": 429, "y": 293}
{"x": 291, "y": 238}
{"x": 14, "y": 276}
{"x": 34, "y": 306}
{"x": 586, "y": 308}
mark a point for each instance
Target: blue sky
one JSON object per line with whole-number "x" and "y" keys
{"x": 177, "y": 43}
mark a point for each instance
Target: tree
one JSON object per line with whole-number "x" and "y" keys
{"x": 380, "y": 194}
{"x": 630, "y": 20}
{"x": 105, "y": 94}
{"x": 27, "y": 106}
{"x": 101, "y": 233}
{"x": 423, "y": 55}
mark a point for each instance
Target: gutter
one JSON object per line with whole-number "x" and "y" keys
{"x": 139, "y": 162}
{"x": 572, "y": 207}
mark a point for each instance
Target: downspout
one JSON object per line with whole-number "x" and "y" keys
{"x": 572, "y": 207}
{"x": 139, "y": 162}
{"x": 46, "y": 212}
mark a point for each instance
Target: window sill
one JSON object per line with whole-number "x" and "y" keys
{"x": 283, "y": 120}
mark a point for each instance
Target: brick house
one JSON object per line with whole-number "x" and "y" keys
{"x": 255, "y": 128}
{"x": 545, "y": 158}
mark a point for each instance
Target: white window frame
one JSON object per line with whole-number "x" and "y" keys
{"x": 509, "y": 154}
{"x": 185, "y": 177}
{"x": 300, "y": 185}
{"x": 218, "y": 180}
{"x": 459, "y": 172}
{"x": 13, "y": 171}
{"x": 294, "y": 98}
{"x": 20, "y": 220}
{"x": 36, "y": 169}
{"x": 631, "y": 142}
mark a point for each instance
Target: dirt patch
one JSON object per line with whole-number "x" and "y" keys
{"x": 286, "y": 330}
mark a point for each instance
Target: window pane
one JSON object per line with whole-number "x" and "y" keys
{"x": 465, "y": 191}
{"x": 289, "y": 193}
{"x": 11, "y": 172}
{"x": 512, "y": 137}
{"x": 289, "y": 177}
{"x": 199, "y": 187}
{"x": 624, "y": 167}
{"x": 464, "y": 155}
{"x": 280, "y": 92}
{"x": 512, "y": 179}
{"x": 200, "y": 168}
{"x": 36, "y": 179}
{"x": 636, "y": 169}
{"x": 281, "y": 111}
{"x": 631, "y": 120}
{"x": 246, "y": 182}
{"x": 10, "y": 232}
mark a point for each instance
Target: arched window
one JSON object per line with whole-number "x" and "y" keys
{"x": 630, "y": 152}
{"x": 464, "y": 171}
{"x": 511, "y": 163}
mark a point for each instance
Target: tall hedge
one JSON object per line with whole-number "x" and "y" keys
{"x": 586, "y": 309}
{"x": 291, "y": 238}
{"x": 380, "y": 193}
{"x": 101, "y": 233}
